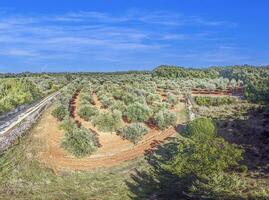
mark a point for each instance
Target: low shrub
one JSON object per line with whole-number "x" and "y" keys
{"x": 68, "y": 124}
{"x": 214, "y": 101}
{"x": 106, "y": 101}
{"x": 200, "y": 127}
{"x": 60, "y": 112}
{"x": 172, "y": 99}
{"x": 108, "y": 121}
{"x": 86, "y": 98}
{"x": 138, "y": 112}
{"x": 133, "y": 132}
{"x": 165, "y": 118}
{"x": 118, "y": 105}
{"x": 79, "y": 142}
{"x": 86, "y": 112}
{"x": 151, "y": 98}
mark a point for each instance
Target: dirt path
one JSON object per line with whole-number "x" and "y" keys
{"x": 113, "y": 151}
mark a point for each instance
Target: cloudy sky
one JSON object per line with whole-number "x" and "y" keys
{"x": 116, "y": 35}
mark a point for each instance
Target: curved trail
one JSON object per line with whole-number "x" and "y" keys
{"x": 114, "y": 150}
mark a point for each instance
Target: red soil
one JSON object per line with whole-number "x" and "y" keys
{"x": 113, "y": 150}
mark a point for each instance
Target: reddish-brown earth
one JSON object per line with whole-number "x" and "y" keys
{"x": 113, "y": 150}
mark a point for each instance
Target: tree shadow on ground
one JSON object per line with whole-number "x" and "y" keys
{"x": 157, "y": 183}
{"x": 253, "y": 135}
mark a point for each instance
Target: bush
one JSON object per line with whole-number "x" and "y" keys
{"x": 172, "y": 99}
{"x": 200, "y": 127}
{"x": 138, "y": 112}
{"x": 68, "y": 124}
{"x": 129, "y": 98}
{"x": 60, "y": 112}
{"x": 214, "y": 101}
{"x": 79, "y": 142}
{"x": 106, "y": 101}
{"x": 165, "y": 118}
{"x": 87, "y": 112}
{"x": 133, "y": 132}
{"x": 86, "y": 98}
{"x": 108, "y": 121}
{"x": 205, "y": 157}
{"x": 151, "y": 98}
{"x": 118, "y": 105}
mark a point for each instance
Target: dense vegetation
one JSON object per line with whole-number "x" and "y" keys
{"x": 254, "y": 79}
{"x": 20, "y": 91}
{"x": 214, "y": 101}
{"x": 79, "y": 141}
{"x": 198, "y": 164}
{"x": 133, "y": 132}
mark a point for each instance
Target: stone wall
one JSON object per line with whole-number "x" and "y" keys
{"x": 8, "y": 138}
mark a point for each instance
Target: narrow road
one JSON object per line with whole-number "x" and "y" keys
{"x": 18, "y": 119}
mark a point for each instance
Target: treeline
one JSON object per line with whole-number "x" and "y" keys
{"x": 15, "y": 92}
{"x": 181, "y": 72}
{"x": 255, "y": 79}
{"x": 214, "y": 101}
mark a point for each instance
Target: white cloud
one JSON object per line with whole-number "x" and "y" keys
{"x": 95, "y": 36}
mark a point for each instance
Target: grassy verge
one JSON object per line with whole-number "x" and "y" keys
{"x": 23, "y": 177}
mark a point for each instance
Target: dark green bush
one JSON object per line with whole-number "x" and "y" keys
{"x": 108, "y": 121}
{"x": 60, "y": 112}
{"x": 87, "y": 112}
{"x": 214, "y": 101}
{"x": 200, "y": 127}
{"x": 79, "y": 142}
{"x": 133, "y": 132}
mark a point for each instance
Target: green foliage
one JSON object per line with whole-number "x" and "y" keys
{"x": 118, "y": 105}
{"x": 172, "y": 99}
{"x": 133, "y": 132}
{"x": 200, "y": 127}
{"x": 106, "y": 101}
{"x": 86, "y": 112}
{"x": 151, "y": 98}
{"x": 204, "y": 157}
{"x": 138, "y": 112}
{"x": 16, "y": 92}
{"x": 180, "y": 72}
{"x": 165, "y": 118}
{"x": 68, "y": 125}
{"x": 205, "y": 160}
{"x": 214, "y": 101}
{"x": 108, "y": 121}
{"x": 80, "y": 142}
{"x": 86, "y": 98}
{"x": 60, "y": 112}
{"x": 256, "y": 80}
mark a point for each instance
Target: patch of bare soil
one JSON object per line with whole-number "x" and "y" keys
{"x": 113, "y": 151}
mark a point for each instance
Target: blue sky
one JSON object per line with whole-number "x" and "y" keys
{"x": 116, "y": 35}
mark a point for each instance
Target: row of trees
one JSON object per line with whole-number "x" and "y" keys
{"x": 77, "y": 140}
{"x": 214, "y": 101}
{"x": 255, "y": 80}
{"x": 122, "y": 100}
{"x": 20, "y": 91}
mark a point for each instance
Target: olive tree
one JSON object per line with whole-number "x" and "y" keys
{"x": 138, "y": 112}
{"x": 165, "y": 118}
{"x": 133, "y": 132}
